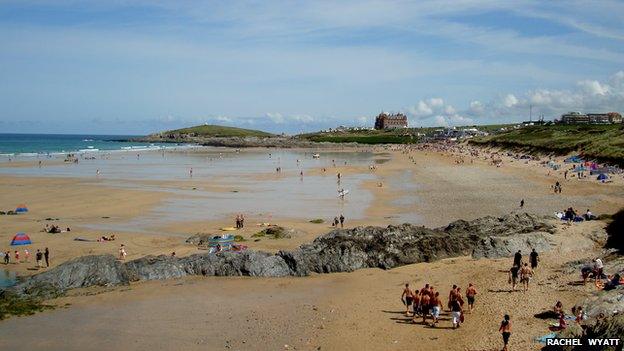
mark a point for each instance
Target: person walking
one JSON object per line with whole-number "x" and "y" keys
{"x": 456, "y": 312}
{"x": 513, "y": 276}
{"x": 17, "y": 257}
{"x": 505, "y": 330}
{"x": 38, "y": 258}
{"x": 525, "y": 276}
{"x": 436, "y": 306}
{"x": 342, "y": 219}
{"x": 7, "y": 257}
{"x": 27, "y": 255}
{"x": 522, "y": 203}
{"x": 408, "y": 298}
{"x": 122, "y": 252}
{"x": 518, "y": 258}
{"x": 46, "y": 254}
{"x": 471, "y": 292}
{"x": 534, "y": 259}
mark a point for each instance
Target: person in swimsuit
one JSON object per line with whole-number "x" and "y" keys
{"x": 407, "y": 297}
{"x": 436, "y": 306}
{"x": 471, "y": 291}
{"x": 525, "y": 276}
{"x": 416, "y": 305}
{"x": 505, "y": 329}
{"x": 425, "y": 301}
{"x": 451, "y": 296}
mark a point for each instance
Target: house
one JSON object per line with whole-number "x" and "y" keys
{"x": 615, "y": 117}
{"x": 574, "y": 118}
{"x": 591, "y": 118}
{"x": 390, "y": 121}
{"x": 598, "y": 118}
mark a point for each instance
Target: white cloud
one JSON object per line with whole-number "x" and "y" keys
{"x": 593, "y": 87}
{"x": 275, "y": 117}
{"x": 223, "y": 119}
{"x": 476, "y": 107}
{"x": 440, "y": 121}
{"x": 449, "y": 110}
{"x": 510, "y": 100}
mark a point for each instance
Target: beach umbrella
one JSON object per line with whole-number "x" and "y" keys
{"x": 602, "y": 176}
{"x": 20, "y": 239}
{"x": 21, "y": 209}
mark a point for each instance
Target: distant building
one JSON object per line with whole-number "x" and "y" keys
{"x": 591, "y": 118}
{"x": 390, "y": 121}
{"x": 598, "y": 118}
{"x": 574, "y": 118}
{"x": 615, "y": 117}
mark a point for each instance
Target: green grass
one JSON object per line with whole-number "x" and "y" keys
{"x": 604, "y": 142}
{"x": 395, "y": 136}
{"x": 219, "y": 131}
{"x": 13, "y": 305}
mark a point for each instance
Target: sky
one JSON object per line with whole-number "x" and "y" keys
{"x": 136, "y": 67}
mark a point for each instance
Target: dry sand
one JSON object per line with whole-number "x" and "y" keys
{"x": 359, "y": 310}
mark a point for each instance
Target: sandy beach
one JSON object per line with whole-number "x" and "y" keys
{"x": 358, "y": 310}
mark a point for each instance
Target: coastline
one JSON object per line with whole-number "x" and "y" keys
{"x": 444, "y": 191}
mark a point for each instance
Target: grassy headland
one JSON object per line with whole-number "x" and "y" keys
{"x": 604, "y": 142}
{"x": 392, "y": 136}
{"x": 211, "y": 130}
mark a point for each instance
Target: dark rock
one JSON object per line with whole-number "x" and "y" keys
{"x": 615, "y": 230}
{"x": 100, "y": 270}
{"x": 341, "y": 250}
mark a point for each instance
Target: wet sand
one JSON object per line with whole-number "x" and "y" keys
{"x": 358, "y": 310}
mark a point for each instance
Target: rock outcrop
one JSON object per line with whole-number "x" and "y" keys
{"x": 100, "y": 270}
{"x": 341, "y": 250}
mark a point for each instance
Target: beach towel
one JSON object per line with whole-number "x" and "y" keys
{"x": 83, "y": 239}
{"x": 542, "y": 339}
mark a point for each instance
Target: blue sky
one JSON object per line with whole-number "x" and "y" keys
{"x": 134, "y": 67}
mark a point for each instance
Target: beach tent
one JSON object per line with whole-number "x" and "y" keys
{"x": 573, "y": 159}
{"x": 21, "y": 209}
{"x": 20, "y": 239}
{"x": 602, "y": 176}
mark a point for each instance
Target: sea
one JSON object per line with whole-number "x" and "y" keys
{"x": 28, "y": 145}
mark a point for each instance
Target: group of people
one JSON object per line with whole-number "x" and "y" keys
{"x": 39, "y": 257}
{"x": 240, "y": 221}
{"x": 339, "y": 221}
{"x": 54, "y": 229}
{"x": 521, "y": 271}
{"x": 571, "y": 215}
{"x": 601, "y": 280}
{"x": 578, "y": 315}
{"x": 427, "y": 302}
